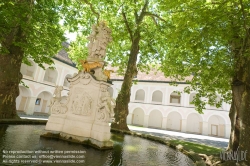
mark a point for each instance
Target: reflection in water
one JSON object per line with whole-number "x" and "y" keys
{"x": 127, "y": 151}
{"x": 115, "y": 157}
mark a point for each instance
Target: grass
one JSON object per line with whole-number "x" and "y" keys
{"x": 197, "y": 148}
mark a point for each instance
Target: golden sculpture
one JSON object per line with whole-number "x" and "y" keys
{"x": 107, "y": 73}
{"x": 88, "y": 66}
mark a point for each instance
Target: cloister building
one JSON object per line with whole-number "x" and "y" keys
{"x": 154, "y": 103}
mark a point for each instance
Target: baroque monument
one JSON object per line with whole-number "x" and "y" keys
{"x": 86, "y": 114}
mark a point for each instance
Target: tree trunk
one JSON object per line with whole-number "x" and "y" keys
{"x": 123, "y": 99}
{"x": 10, "y": 76}
{"x": 240, "y": 109}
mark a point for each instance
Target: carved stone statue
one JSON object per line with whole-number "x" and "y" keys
{"x": 106, "y": 107}
{"x": 56, "y": 107}
{"x": 88, "y": 66}
{"x": 107, "y": 73}
{"x": 82, "y": 104}
{"x": 56, "y": 95}
{"x": 89, "y": 107}
{"x": 99, "y": 39}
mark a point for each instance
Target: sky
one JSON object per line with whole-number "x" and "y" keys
{"x": 71, "y": 36}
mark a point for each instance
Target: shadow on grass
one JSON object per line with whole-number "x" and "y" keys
{"x": 197, "y": 148}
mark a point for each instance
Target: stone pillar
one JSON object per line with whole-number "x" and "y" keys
{"x": 204, "y": 128}
{"x": 167, "y": 97}
{"x": 227, "y": 130}
{"x": 129, "y": 118}
{"x": 145, "y": 123}
{"x": 184, "y": 125}
{"x": 164, "y": 123}
{"x": 186, "y": 100}
{"x": 30, "y": 106}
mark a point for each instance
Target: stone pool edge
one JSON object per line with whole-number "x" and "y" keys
{"x": 23, "y": 121}
{"x": 198, "y": 161}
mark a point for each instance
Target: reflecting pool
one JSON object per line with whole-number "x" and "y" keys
{"x": 22, "y": 145}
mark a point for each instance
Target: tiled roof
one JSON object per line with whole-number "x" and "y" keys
{"x": 63, "y": 56}
{"x": 152, "y": 75}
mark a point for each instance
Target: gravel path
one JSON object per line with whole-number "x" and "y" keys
{"x": 207, "y": 140}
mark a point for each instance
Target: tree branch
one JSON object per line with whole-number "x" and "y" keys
{"x": 143, "y": 11}
{"x": 92, "y": 9}
{"x": 135, "y": 12}
{"x": 127, "y": 25}
{"x": 154, "y": 16}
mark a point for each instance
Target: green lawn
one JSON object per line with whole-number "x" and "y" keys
{"x": 197, "y": 148}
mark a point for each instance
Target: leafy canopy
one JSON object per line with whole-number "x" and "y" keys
{"x": 200, "y": 43}
{"x": 122, "y": 18}
{"x": 42, "y": 35}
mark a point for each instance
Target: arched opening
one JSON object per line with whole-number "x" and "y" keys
{"x": 175, "y": 98}
{"x": 66, "y": 82}
{"x": 216, "y": 126}
{"x": 174, "y": 121}
{"x": 155, "y": 119}
{"x": 42, "y": 102}
{"x": 217, "y": 101}
{"x": 191, "y": 98}
{"x": 138, "y": 117}
{"x": 140, "y": 95}
{"x": 22, "y": 99}
{"x": 157, "y": 96}
{"x": 111, "y": 91}
{"x": 50, "y": 76}
{"x": 28, "y": 70}
{"x": 194, "y": 123}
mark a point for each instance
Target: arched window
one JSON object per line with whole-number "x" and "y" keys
{"x": 50, "y": 76}
{"x": 157, "y": 96}
{"x": 175, "y": 98}
{"x": 191, "y": 98}
{"x": 217, "y": 100}
{"x": 66, "y": 82}
{"x": 28, "y": 70}
{"x": 140, "y": 95}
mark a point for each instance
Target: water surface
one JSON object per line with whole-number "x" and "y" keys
{"x": 128, "y": 150}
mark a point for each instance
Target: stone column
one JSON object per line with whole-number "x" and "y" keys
{"x": 227, "y": 130}
{"x": 30, "y": 106}
{"x": 145, "y": 123}
{"x": 164, "y": 123}
{"x": 204, "y": 128}
{"x": 184, "y": 125}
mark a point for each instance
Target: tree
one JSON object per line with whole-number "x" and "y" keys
{"x": 28, "y": 29}
{"x": 211, "y": 41}
{"x": 137, "y": 31}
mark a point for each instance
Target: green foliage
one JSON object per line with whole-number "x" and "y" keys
{"x": 199, "y": 43}
{"x": 121, "y": 17}
{"x": 193, "y": 38}
{"x": 38, "y": 21}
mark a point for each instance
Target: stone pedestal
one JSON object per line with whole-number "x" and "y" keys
{"x": 85, "y": 116}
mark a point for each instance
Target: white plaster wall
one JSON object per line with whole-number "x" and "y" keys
{"x": 194, "y": 123}
{"x": 174, "y": 121}
{"x": 144, "y": 113}
{"x": 138, "y": 117}
{"x": 155, "y": 119}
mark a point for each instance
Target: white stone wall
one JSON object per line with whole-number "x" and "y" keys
{"x": 152, "y": 104}
{"x": 37, "y": 97}
{"x": 174, "y": 116}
